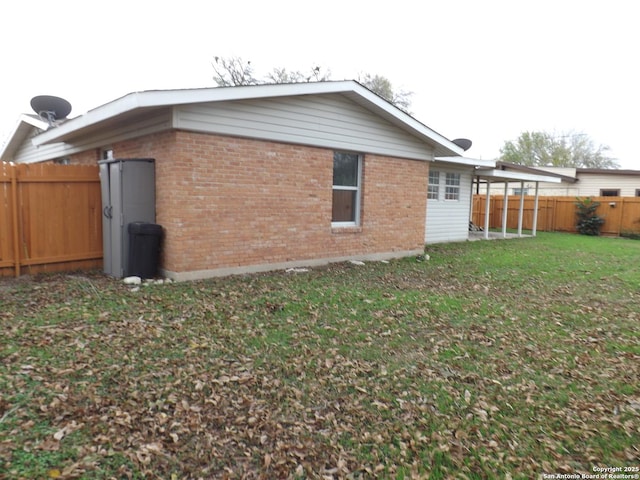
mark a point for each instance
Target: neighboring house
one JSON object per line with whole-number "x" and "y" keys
{"x": 598, "y": 182}
{"x": 272, "y": 176}
{"x": 582, "y": 182}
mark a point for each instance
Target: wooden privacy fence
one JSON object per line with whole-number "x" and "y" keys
{"x": 50, "y": 218}
{"x": 558, "y": 214}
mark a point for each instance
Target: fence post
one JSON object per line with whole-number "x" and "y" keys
{"x": 620, "y": 216}
{"x": 14, "y": 213}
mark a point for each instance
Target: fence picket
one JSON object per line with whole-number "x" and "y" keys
{"x": 50, "y": 218}
{"x": 558, "y": 214}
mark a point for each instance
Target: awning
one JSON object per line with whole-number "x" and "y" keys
{"x": 505, "y": 173}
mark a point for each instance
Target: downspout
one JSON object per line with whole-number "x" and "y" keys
{"x": 471, "y": 201}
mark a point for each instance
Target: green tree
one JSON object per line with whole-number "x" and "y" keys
{"x": 589, "y": 223}
{"x": 563, "y": 150}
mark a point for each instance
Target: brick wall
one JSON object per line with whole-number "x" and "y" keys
{"x": 229, "y": 202}
{"x": 88, "y": 157}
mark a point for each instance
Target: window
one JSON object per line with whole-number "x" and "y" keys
{"x": 346, "y": 188}
{"x": 452, "y": 188}
{"x": 612, "y": 192}
{"x": 637, "y": 192}
{"x": 521, "y": 191}
{"x": 433, "y": 191}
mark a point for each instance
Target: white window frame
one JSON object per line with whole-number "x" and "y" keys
{"x": 357, "y": 189}
{"x": 433, "y": 189}
{"x": 452, "y": 189}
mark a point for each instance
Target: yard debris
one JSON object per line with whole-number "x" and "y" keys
{"x": 296, "y": 270}
{"x": 407, "y": 370}
{"x": 356, "y": 262}
{"x": 132, "y": 280}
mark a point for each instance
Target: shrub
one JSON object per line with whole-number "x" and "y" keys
{"x": 588, "y": 222}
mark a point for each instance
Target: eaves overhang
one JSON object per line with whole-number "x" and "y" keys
{"x": 133, "y": 103}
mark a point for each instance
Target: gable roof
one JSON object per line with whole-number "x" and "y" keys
{"x": 135, "y": 104}
{"x": 23, "y": 128}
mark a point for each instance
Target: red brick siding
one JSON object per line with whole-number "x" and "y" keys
{"x": 229, "y": 202}
{"x": 88, "y": 157}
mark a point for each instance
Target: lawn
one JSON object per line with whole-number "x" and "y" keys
{"x": 500, "y": 359}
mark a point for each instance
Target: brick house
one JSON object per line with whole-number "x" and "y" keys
{"x": 263, "y": 177}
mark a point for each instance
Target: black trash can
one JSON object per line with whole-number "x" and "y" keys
{"x": 144, "y": 249}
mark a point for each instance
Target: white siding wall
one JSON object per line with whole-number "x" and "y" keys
{"x": 448, "y": 220}
{"x": 151, "y": 122}
{"x": 331, "y": 121}
{"x": 27, "y": 153}
{"x": 591, "y": 183}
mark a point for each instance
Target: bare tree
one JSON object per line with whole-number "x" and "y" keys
{"x": 282, "y": 75}
{"x": 233, "y": 71}
{"x": 382, "y": 86}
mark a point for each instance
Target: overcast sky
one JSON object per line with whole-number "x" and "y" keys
{"x": 486, "y": 70}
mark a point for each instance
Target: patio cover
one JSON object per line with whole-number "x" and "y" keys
{"x": 505, "y": 173}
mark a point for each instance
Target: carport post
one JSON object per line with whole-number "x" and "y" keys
{"x": 521, "y": 210}
{"x": 535, "y": 214}
{"x": 505, "y": 207}
{"x": 486, "y": 210}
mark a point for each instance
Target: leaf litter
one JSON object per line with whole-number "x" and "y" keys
{"x": 396, "y": 370}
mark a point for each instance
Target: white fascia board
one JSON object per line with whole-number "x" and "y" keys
{"x": 165, "y": 98}
{"x": 503, "y": 175}
{"x": 473, "y": 162}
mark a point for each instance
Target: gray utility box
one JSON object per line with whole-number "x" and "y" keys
{"x": 128, "y": 195}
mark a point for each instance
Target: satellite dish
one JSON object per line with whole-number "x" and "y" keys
{"x": 463, "y": 143}
{"x": 51, "y": 108}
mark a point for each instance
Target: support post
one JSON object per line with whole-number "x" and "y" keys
{"x": 505, "y": 207}
{"x": 486, "y": 211}
{"x": 521, "y": 209}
